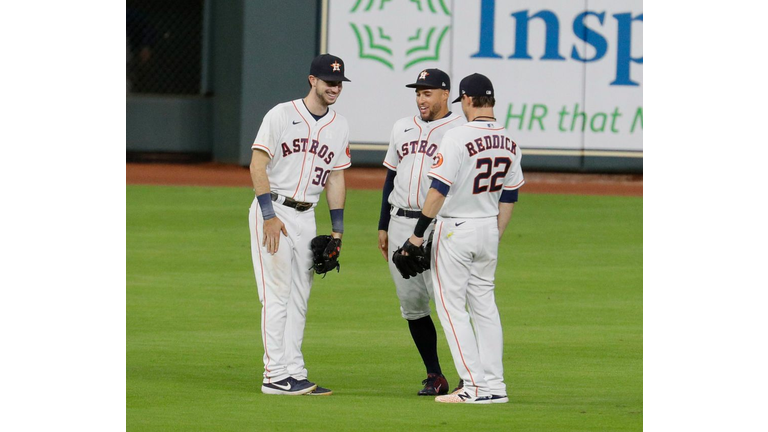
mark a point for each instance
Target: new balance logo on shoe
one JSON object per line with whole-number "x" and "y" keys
{"x": 463, "y": 397}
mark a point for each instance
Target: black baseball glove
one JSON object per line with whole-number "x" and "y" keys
{"x": 325, "y": 254}
{"x": 410, "y": 259}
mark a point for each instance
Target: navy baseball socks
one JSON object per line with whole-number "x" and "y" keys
{"x": 425, "y": 337}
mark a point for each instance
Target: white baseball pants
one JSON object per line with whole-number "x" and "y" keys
{"x": 284, "y": 282}
{"x": 464, "y": 260}
{"x": 414, "y": 293}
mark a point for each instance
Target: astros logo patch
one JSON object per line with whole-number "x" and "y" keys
{"x": 439, "y": 160}
{"x": 336, "y": 66}
{"x": 423, "y": 75}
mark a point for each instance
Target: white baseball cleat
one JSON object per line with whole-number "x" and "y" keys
{"x": 499, "y": 399}
{"x": 463, "y": 397}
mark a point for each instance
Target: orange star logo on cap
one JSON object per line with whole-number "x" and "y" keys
{"x": 336, "y": 66}
{"x": 423, "y": 75}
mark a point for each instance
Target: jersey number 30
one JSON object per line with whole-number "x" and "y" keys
{"x": 495, "y": 169}
{"x": 322, "y": 176}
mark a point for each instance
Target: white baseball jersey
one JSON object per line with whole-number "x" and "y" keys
{"x": 477, "y": 160}
{"x": 303, "y": 151}
{"x": 413, "y": 147}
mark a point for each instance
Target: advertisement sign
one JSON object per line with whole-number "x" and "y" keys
{"x": 568, "y": 75}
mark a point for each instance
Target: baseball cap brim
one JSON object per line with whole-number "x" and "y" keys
{"x": 415, "y": 85}
{"x": 458, "y": 99}
{"x": 331, "y": 78}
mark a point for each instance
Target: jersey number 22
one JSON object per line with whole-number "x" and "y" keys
{"x": 495, "y": 169}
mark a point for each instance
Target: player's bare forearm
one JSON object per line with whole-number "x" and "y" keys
{"x": 272, "y": 227}
{"x": 259, "y": 162}
{"x": 384, "y": 244}
{"x": 336, "y": 193}
{"x": 433, "y": 203}
{"x": 505, "y": 214}
{"x": 431, "y": 207}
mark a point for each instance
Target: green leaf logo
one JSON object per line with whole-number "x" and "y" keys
{"x": 429, "y": 50}
{"x": 371, "y": 49}
{"x": 424, "y": 44}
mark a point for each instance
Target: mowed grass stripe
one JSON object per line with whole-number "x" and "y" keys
{"x": 569, "y": 290}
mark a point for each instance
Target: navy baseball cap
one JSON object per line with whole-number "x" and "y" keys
{"x": 432, "y": 78}
{"x": 475, "y": 85}
{"x": 328, "y": 67}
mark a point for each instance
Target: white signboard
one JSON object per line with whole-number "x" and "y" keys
{"x": 568, "y": 75}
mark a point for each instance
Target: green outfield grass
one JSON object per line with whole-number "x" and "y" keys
{"x": 569, "y": 290}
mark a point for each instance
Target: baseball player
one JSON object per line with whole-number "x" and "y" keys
{"x": 301, "y": 148}
{"x": 475, "y": 183}
{"x": 413, "y": 148}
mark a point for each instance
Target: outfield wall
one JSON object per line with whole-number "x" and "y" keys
{"x": 568, "y": 75}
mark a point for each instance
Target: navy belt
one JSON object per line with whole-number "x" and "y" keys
{"x": 290, "y": 202}
{"x": 413, "y": 214}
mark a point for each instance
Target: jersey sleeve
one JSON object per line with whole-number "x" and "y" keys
{"x": 344, "y": 160}
{"x": 446, "y": 168}
{"x": 391, "y": 160}
{"x": 269, "y": 133}
{"x": 514, "y": 178}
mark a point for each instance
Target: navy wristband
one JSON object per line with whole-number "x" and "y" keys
{"x": 337, "y": 220}
{"x": 265, "y": 201}
{"x": 440, "y": 187}
{"x": 509, "y": 196}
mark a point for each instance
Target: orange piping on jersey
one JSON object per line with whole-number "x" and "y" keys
{"x": 262, "y": 147}
{"x": 342, "y": 166}
{"x": 483, "y": 128}
{"x": 315, "y": 156}
{"x": 264, "y": 295}
{"x": 441, "y": 178}
{"x": 388, "y": 165}
{"x": 442, "y": 300}
{"x": 423, "y": 156}
{"x": 515, "y": 186}
{"x": 309, "y": 137}
{"x": 413, "y": 164}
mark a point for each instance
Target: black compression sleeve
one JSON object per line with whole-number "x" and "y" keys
{"x": 389, "y": 186}
{"x": 422, "y": 225}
